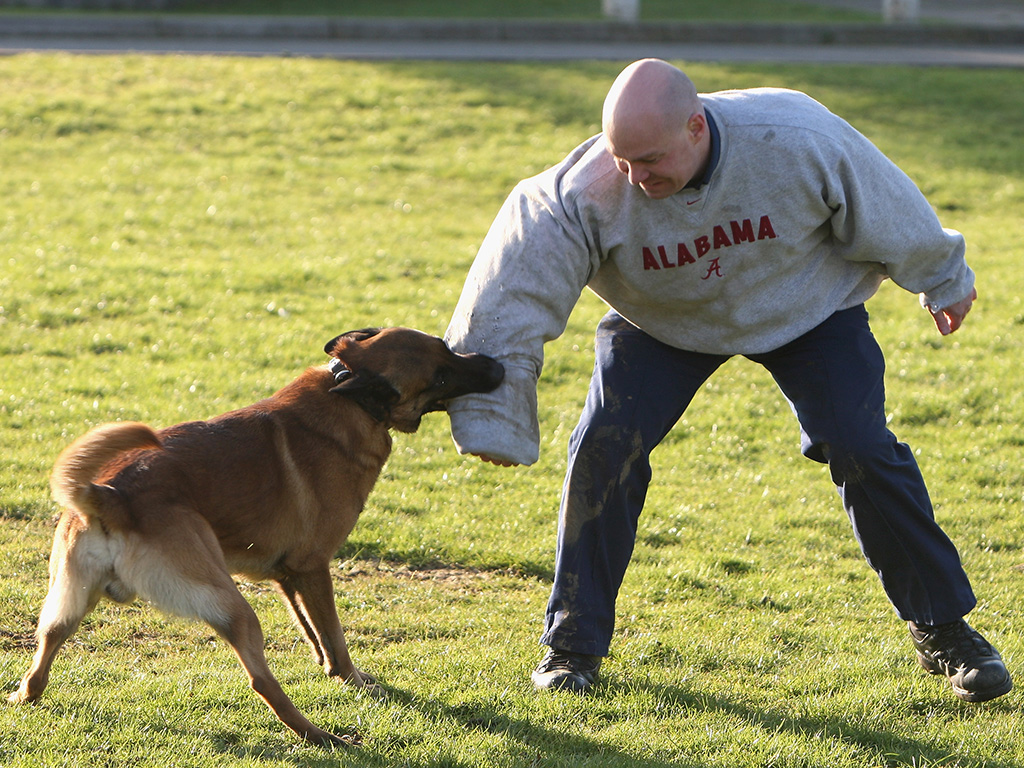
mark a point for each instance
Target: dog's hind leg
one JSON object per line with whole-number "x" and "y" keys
{"x": 76, "y": 574}
{"x": 310, "y": 596}
{"x": 181, "y": 569}
{"x": 241, "y": 630}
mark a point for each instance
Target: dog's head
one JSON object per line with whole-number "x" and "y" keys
{"x": 398, "y": 374}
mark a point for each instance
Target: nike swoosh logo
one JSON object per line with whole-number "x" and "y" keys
{"x": 693, "y": 202}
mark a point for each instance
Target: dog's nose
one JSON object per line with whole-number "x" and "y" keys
{"x": 489, "y": 371}
{"x": 495, "y": 372}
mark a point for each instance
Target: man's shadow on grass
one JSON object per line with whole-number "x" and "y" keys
{"x": 542, "y": 744}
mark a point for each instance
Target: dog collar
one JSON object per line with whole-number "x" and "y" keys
{"x": 338, "y": 369}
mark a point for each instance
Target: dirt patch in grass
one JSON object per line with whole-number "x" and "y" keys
{"x": 16, "y": 641}
{"x": 459, "y": 577}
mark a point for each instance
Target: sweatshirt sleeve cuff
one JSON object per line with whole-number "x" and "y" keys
{"x": 949, "y": 292}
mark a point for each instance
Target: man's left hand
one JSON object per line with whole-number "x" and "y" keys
{"x": 948, "y": 319}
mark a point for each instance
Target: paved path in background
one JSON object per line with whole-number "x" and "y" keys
{"x": 970, "y": 33}
{"x": 497, "y": 50}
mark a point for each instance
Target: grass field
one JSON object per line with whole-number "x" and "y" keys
{"x": 180, "y": 236}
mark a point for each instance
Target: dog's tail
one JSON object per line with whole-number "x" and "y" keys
{"x": 72, "y": 482}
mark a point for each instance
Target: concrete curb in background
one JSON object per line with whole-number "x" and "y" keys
{"x": 74, "y": 26}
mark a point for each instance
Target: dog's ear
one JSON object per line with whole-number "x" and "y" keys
{"x": 371, "y": 392}
{"x": 361, "y": 335}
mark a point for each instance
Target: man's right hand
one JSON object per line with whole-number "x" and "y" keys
{"x": 496, "y": 462}
{"x": 948, "y": 319}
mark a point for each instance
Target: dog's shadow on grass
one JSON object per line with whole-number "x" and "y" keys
{"x": 533, "y": 745}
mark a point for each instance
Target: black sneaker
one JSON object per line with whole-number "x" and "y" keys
{"x": 566, "y": 671}
{"x": 974, "y": 668}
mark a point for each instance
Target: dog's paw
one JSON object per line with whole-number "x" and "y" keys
{"x": 29, "y": 690}
{"x": 19, "y": 697}
{"x": 361, "y": 679}
{"x": 323, "y": 738}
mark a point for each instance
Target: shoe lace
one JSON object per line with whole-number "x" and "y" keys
{"x": 958, "y": 643}
{"x": 555, "y": 660}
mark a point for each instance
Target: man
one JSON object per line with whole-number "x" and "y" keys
{"x": 752, "y": 223}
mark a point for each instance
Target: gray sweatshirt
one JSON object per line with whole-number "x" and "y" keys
{"x": 801, "y": 217}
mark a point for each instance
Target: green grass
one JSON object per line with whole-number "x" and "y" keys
{"x": 180, "y": 235}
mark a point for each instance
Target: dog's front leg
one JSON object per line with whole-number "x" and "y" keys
{"x": 291, "y": 599}
{"x": 310, "y": 596}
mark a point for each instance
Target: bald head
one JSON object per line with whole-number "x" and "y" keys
{"x": 655, "y": 127}
{"x": 649, "y": 94}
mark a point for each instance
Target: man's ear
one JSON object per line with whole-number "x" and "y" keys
{"x": 696, "y": 126}
{"x": 373, "y": 393}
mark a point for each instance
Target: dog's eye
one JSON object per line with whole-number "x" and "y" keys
{"x": 440, "y": 379}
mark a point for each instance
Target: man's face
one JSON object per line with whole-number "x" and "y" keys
{"x": 660, "y": 162}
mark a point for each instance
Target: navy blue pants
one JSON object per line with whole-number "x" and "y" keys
{"x": 833, "y": 379}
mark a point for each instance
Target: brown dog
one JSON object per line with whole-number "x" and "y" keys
{"x": 270, "y": 491}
